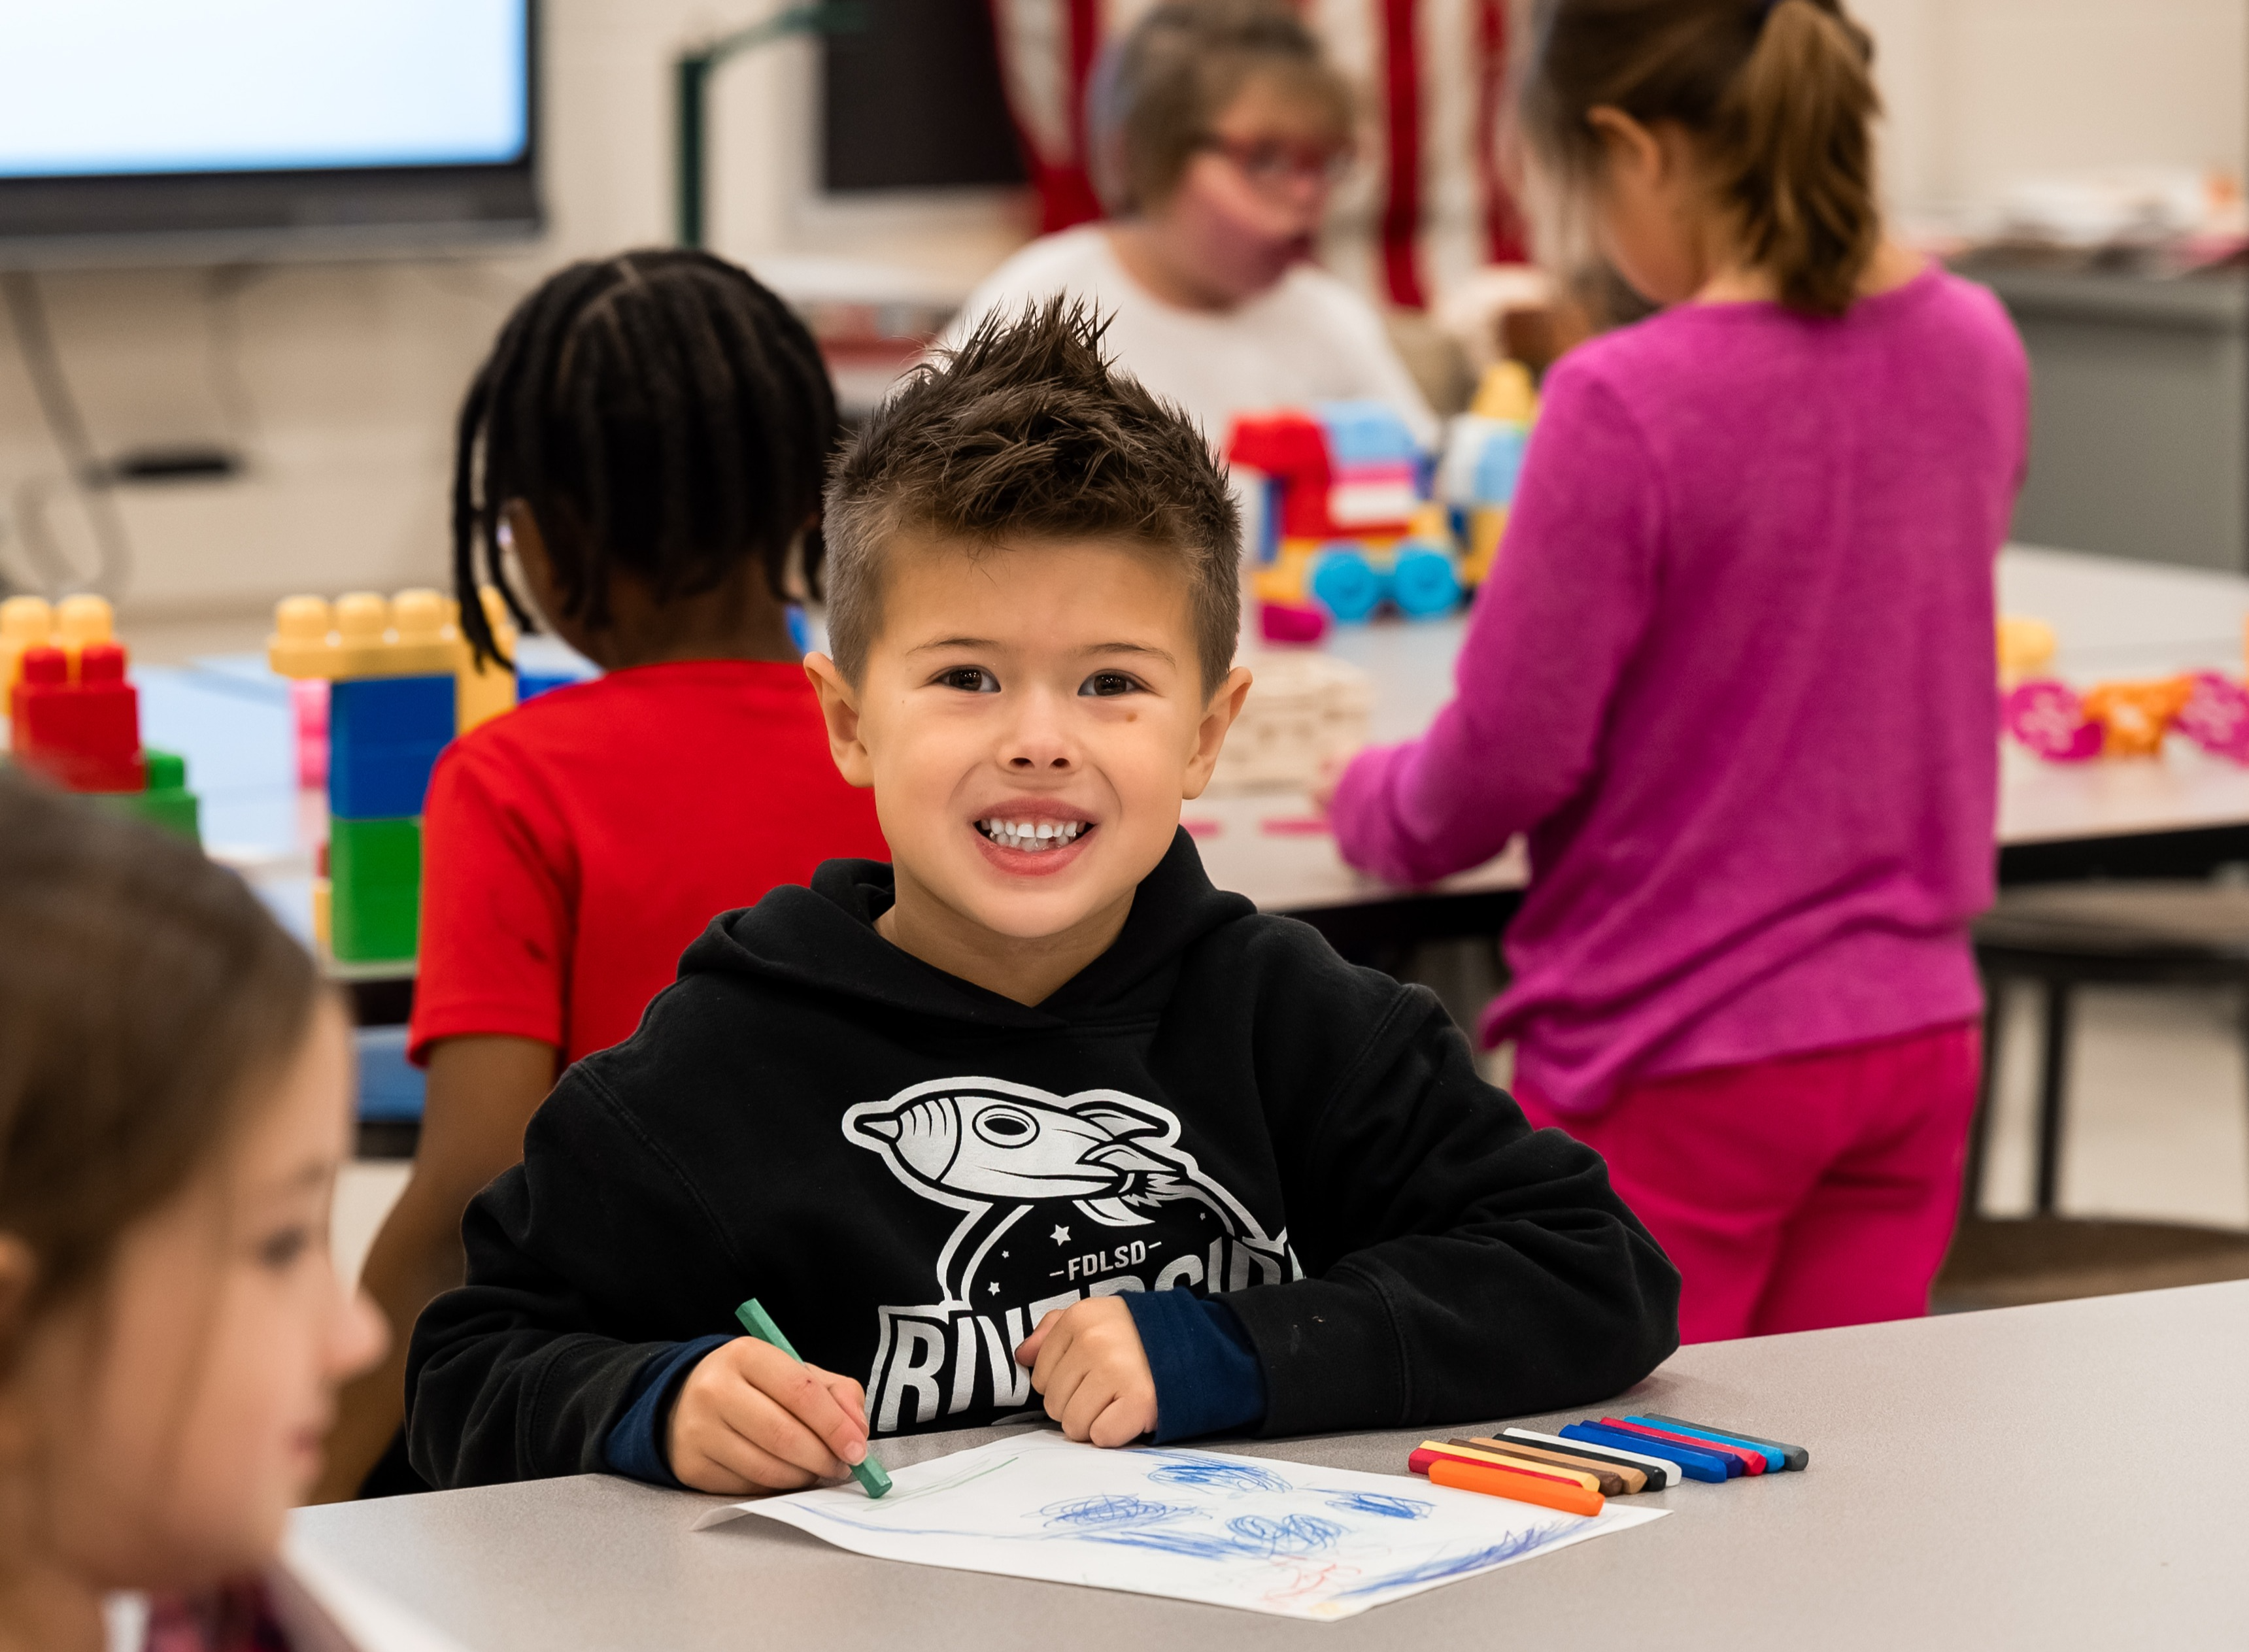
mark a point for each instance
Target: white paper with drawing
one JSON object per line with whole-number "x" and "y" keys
{"x": 1269, "y": 1536}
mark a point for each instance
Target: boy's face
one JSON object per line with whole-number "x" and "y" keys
{"x": 1030, "y": 719}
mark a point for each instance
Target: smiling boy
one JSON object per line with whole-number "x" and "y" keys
{"x": 1033, "y": 1116}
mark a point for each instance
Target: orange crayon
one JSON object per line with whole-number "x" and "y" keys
{"x": 1469, "y": 1452}
{"x": 1495, "y": 1482}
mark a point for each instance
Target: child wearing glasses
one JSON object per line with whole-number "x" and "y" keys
{"x": 1218, "y": 132}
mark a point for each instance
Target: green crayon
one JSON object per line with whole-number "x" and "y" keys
{"x": 755, "y": 1320}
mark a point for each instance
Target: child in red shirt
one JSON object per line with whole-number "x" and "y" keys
{"x": 648, "y": 439}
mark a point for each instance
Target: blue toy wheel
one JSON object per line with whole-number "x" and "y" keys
{"x": 1345, "y": 584}
{"x": 1424, "y": 584}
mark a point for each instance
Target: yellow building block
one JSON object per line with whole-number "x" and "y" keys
{"x": 1507, "y": 392}
{"x": 361, "y": 634}
{"x": 1283, "y": 579}
{"x": 2025, "y": 646}
{"x": 483, "y": 690}
{"x": 80, "y": 620}
{"x": 25, "y": 622}
{"x": 1487, "y": 524}
{"x": 28, "y": 622}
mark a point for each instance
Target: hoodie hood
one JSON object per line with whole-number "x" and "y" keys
{"x": 822, "y": 940}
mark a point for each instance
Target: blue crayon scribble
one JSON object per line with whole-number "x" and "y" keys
{"x": 1081, "y": 1513}
{"x": 1264, "y": 1535}
{"x": 1210, "y": 1475}
{"x": 1248, "y": 1537}
{"x": 1189, "y": 1545}
{"x": 1439, "y": 1567}
{"x": 1379, "y": 1503}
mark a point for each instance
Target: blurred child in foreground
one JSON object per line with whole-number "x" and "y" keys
{"x": 175, "y": 1104}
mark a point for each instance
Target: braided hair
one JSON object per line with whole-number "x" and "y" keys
{"x": 661, "y": 414}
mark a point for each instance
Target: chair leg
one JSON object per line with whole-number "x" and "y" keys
{"x": 2245, "y": 1027}
{"x": 2053, "y": 1081}
{"x": 1979, "y": 1127}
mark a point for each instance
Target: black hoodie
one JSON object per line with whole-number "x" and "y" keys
{"x": 909, "y": 1171}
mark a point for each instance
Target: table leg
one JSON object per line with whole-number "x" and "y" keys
{"x": 1979, "y": 1128}
{"x": 2053, "y": 1079}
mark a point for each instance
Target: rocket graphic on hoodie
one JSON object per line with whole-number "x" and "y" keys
{"x": 910, "y": 1172}
{"x": 1130, "y": 1209}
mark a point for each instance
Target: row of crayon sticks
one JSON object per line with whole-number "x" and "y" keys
{"x": 1587, "y": 1462}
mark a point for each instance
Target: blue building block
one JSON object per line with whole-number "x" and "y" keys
{"x": 1498, "y": 465}
{"x": 1268, "y": 522}
{"x": 1345, "y": 584}
{"x": 530, "y": 684}
{"x": 384, "y": 735}
{"x": 391, "y": 1087}
{"x": 1365, "y": 433}
{"x": 1424, "y": 583}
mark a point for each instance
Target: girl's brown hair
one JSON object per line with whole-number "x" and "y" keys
{"x": 1779, "y": 96}
{"x": 145, "y": 995}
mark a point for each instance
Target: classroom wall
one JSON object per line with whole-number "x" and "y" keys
{"x": 339, "y": 381}
{"x": 1983, "y": 93}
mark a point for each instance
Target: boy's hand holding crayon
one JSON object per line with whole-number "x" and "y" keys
{"x": 1088, "y": 1361}
{"x": 749, "y": 1418}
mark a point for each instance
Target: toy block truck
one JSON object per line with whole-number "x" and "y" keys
{"x": 1347, "y": 523}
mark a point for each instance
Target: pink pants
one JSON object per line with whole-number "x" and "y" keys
{"x": 1806, "y": 1191}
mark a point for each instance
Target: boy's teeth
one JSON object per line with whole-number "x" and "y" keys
{"x": 1032, "y": 836}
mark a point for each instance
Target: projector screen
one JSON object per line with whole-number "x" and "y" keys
{"x": 353, "y": 118}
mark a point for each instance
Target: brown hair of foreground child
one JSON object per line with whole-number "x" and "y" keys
{"x": 173, "y": 1105}
{"x": 1024, "y": 434}
{"x": 1777, "y": 96}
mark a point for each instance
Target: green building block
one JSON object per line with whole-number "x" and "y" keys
{"x": 374, "y": 889}
{"x": 168, "y": 802}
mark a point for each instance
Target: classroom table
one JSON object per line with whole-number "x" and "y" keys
{"x": 2071, "y": 1474}
{"x": 2179, "y": 815}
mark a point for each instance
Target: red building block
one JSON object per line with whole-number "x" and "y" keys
{"x": 85, "y": 735}
{"x": 1292, "y": 448}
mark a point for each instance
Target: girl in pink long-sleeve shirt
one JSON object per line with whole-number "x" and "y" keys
{"x": 1734, "y": 675}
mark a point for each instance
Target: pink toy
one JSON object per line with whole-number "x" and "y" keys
{"x": 1199, "y": 827}
{"x": 308, "y": 700}
{"x": 2048, "y": 717}
{"x": 2216, "y": 717}
{"x": 1291, "y": 621}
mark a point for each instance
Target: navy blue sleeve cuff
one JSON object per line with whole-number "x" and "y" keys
{"x": 1205, "y": 1369}
{"x": 635, "y": 1445}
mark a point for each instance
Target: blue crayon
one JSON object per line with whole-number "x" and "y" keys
{"x": 1696, "y": 1465}
{"x": 1782, "y": 1454}
{"x": 1774, "y": 1463}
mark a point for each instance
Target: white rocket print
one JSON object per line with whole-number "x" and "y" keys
{"x": 995, "y": 1150}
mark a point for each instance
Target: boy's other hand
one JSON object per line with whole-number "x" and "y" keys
{"x": 751, "y": 1419}
{"x": 1088, "y": 1361}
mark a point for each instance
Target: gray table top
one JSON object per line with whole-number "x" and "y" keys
{"x": 1964, "y": 1492}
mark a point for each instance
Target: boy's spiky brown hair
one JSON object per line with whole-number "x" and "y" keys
{"x": 1028, "y": 434}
